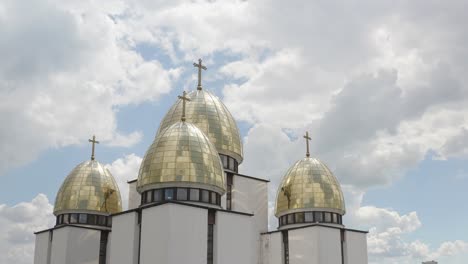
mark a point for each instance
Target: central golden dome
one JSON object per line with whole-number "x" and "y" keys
{"x": 88, "y": 187}
{"x": 309, "y": 186}
{"x": 183, "y": 156}
{"x": 209, "y": 114}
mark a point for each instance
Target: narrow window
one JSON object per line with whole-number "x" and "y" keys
{"x": 211, "y": 223}
{"x": 92, "y": 219}
{"x": 335, "y": 219}
{"x": 168, "y": 194}
{"x": 229, "y": 180}
{"x": 149, "y": 196}
{"x": 328, "y": 217}
{"x": 157, "y": 195}
{"x": 66, "y": 218}
{"x": 318, "y": 217}
{"x": 83, "y": 219}
{"x": 285, "y": 247}
{"x": 290, "y": 218}
{"x": 101, "y": 220}
{"x": 194, "y": 195}
{"x": 309, "y": 217}
{"x": 285, "y": 220}
{"x": 103, "y": 247}
{"x": 182, "y": 194}
{"x": 205, "y": 196}
{"x": 73, "y": 218}
{"x": 213, "y": 198}
{"x": 299, "y": 217}
{"x": 231, "y": 163}
{"x": 224, "y": 159}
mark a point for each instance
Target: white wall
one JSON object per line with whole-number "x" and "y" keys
{"x": 235, "y": 240}
{"x": 174, "y": 234}
{"x": 329, "y": 241}
{"x": 42, "y": 247}
{"x": 251, "y": 196}
{"x": 303, "y": 246}
{"x": 315, "y": 245}
{"x": 355, "y": 247}
{"x": 74, "y": 245}
{"x": 59, "y": 245}
{"x": 134, "y": 198}
{"x": 271, "y": 251}
{"x": 124, "y": 240}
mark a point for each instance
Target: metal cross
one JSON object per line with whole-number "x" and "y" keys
{"x": 307, "y": 138}
{"x": 200, "y": 67}
{"x": 94, "y": 141}
{"x": 183, "y": 98}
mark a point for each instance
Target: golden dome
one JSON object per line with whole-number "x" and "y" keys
{"x": 181, "y": 156}
{"x": 88, "y": 187}
{"x": 208, "y": 113}
{"x": 311, "y": 186}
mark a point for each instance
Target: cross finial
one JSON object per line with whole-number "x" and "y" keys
{"x": 183, "y": 98}
{"x": 94, "y": 141}
{"x": 307, "y": 138}
{"x": 200, "y": 67}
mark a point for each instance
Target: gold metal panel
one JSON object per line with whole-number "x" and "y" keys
{"x": 192, "y": 159}
{"x": 90, "y": 187}
{"x": 208, "y": 113}
{"x": 310, "y": 185}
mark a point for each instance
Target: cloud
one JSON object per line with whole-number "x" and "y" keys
{"x": 17, "y": 226}
{"x": 19, "y": 222}
{"x": 387, "y": 239}
{"x": 270, "y": 151}
{"x": 378, "y": 87}
{"x": 66, "y": 70}
{"x": 123, "y": 170}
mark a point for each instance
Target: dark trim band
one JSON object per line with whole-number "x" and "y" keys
{"x": 180, "y": 194}
{"x": 310, "y": 217}
{"x": 83, "y": 219}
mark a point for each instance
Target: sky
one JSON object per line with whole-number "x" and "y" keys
{"x": 381, "y": 86}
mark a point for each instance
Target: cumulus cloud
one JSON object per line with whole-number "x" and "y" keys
{"x": 17, "y": 226}
{"x": 65, "y": 71}
{"x": 389, "y": 230}
{"x": 378, "y": 87}
{"x": 125, "y": 169}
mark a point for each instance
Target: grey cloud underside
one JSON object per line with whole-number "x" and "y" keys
{"x": 57, "y": 58}
{"x": 371, "y": 81}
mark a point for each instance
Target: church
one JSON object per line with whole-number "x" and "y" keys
{"x": 190, "y": 204}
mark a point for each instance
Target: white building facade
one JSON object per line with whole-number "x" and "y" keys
{"x": 189, "y": 204}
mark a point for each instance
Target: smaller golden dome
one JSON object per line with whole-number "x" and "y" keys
{"x": 208, "y": 113}
{"x": 309, "y": 186}
{"x": 181, "y": 156}
{"x": 88, "y": 187}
